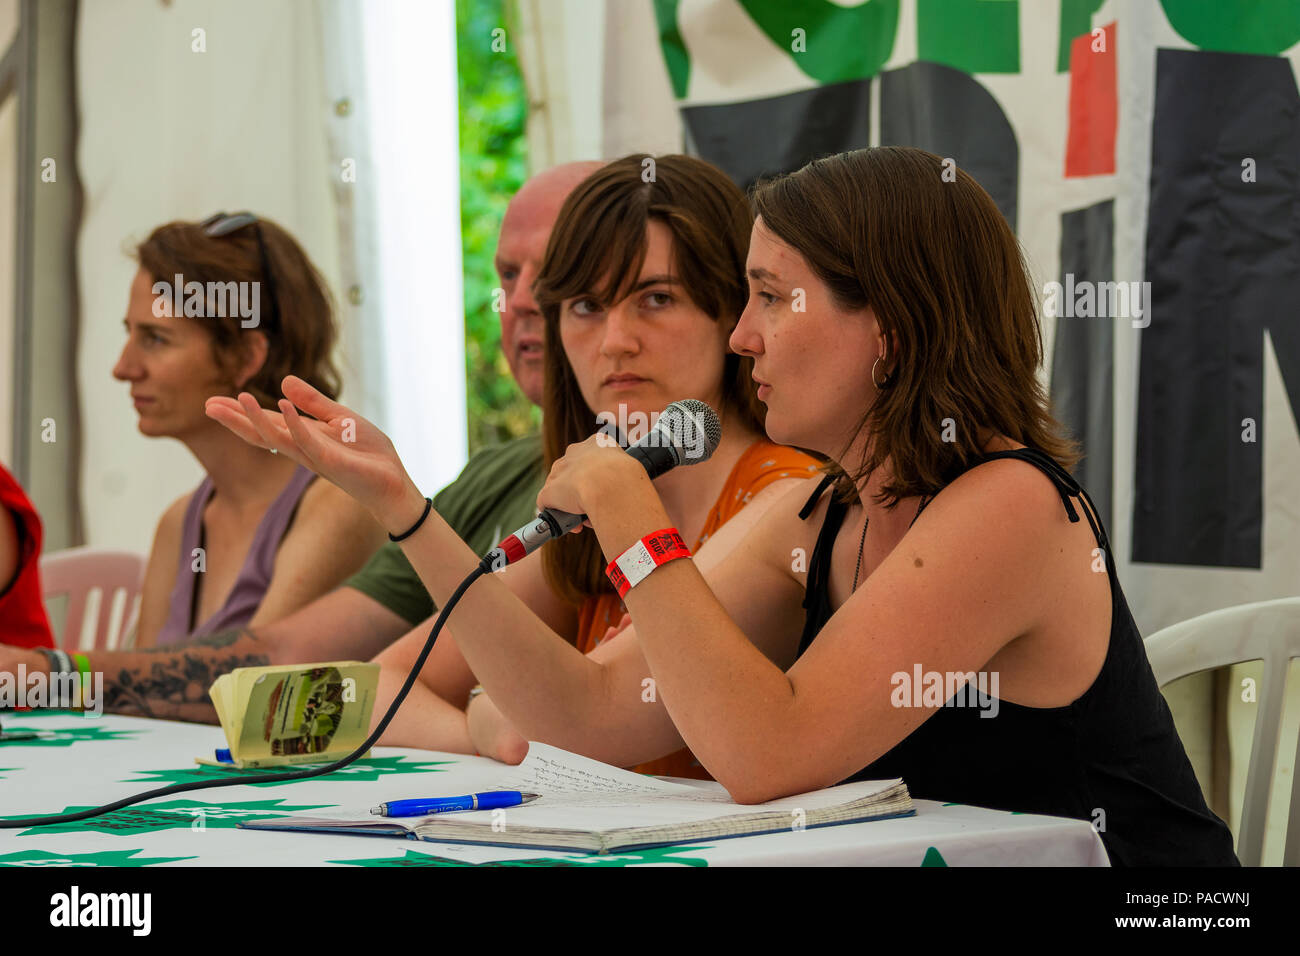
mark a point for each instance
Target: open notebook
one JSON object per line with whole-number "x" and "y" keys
{"x": 591, "y": 806}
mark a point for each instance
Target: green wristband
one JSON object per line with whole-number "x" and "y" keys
{"x": 83, "y": 668}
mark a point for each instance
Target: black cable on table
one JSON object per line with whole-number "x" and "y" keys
{"x": 232, "y": 781}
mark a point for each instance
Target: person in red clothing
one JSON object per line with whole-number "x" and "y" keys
{"x": 23, "y": 621}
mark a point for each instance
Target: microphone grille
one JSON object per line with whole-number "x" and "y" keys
{"x": 695, "y": 429}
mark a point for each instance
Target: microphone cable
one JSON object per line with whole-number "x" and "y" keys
{"x": 681, "y": 419}
{"x": 484, "y": 567}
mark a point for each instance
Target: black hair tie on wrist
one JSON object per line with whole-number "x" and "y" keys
{"x": 428, "y": 506}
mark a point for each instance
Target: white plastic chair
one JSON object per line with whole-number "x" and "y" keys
{"x": 1267, "y": 631}
{"x": 94, "y": 576}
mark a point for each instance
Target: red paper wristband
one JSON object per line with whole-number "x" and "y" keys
{"x": 631, "y": 567}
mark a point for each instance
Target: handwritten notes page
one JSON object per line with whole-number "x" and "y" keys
{"x": 559, "y": 774}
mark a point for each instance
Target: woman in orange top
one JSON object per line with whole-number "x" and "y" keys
{"x": 603, "y": 616}
{"x": 761, "y": 465}
{"x": 641, "y": 286}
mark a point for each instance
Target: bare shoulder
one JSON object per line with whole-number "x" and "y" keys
{"x": 778, "y": 492}
{"x": 1034, "y": 557}
{"x": 1002, "y": 524}
{"x": 160, "y": 572}
{"x": 1017, "y": 490}
{"x": 167, "y": 536}
{"x": 322, "y": 495}
{"x": 172, "y": 520}
{"x": 1009, "y": 483}
{"x": 328, "y": 514}
{"x": 785, "y": 498}
{"x": 331, "y": 537}
{"x": 780, "y": 536}
{"x": 175, "y": 512}
{"x": 750, "y": 526}
{"x": 323, "y": 501}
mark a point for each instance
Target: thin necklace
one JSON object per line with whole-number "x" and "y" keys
{"x": 866, "y": 520}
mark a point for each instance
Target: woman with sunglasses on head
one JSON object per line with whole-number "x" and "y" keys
{"x": 640, "y": 288}
{"x": 259, "y": 538}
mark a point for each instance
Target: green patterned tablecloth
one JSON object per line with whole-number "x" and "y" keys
{"x": 85, "y": 762}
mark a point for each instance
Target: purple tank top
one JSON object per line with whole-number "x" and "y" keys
{"x": 254, "y": 576}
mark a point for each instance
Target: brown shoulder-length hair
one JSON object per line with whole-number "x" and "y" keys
{"x": 597, "y": 248}
{"x": 938, "y": 263}
{"x": 300, "y": 341}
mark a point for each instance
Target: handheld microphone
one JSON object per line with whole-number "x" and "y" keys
{"x": 686, "y": 433}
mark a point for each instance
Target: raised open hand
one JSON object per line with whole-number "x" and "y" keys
{"x": 336, "y": 443}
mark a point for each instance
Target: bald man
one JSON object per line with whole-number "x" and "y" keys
{"x": 494, "y": 494}
{"x": 508, "y": 476}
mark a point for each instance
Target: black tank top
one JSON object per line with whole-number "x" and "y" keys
{"x": 1112, "y": 757}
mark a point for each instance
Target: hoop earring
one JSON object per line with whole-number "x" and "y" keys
{"x": 880, "y": 385}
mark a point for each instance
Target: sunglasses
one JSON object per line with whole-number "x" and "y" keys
{"x": 223, "y": 224}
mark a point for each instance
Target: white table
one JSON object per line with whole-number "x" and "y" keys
{"x": 88, "y": 762}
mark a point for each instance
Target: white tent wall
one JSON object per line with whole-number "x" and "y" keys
{"x": 170, "y": 133}
{"x": 263, "y": 118}
{"x": 9, "y": 18}
{"x": 632, "y": 41}
{"x": 8, "y": 231}
{"x": 415, "y": 279}
{"x": 579, "y": 108}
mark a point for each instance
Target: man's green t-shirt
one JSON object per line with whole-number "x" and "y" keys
{"x": 495, "y": 494}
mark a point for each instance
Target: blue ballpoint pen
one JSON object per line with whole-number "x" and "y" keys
{"x": 492, "y": 800}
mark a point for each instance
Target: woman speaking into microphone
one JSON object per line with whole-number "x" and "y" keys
{"x": 893, "y": 328}
{"x": 639, "y": 290}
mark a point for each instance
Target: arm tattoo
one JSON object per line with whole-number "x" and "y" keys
{"x": 172, "y": 682}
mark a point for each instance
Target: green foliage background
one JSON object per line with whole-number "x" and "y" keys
{"x": 493, "y": 165}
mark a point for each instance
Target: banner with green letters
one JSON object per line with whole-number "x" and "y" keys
{"x": 1147, "y": 154}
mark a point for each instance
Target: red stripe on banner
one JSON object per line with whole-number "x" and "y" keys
{"x": 1090, "y": 145}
